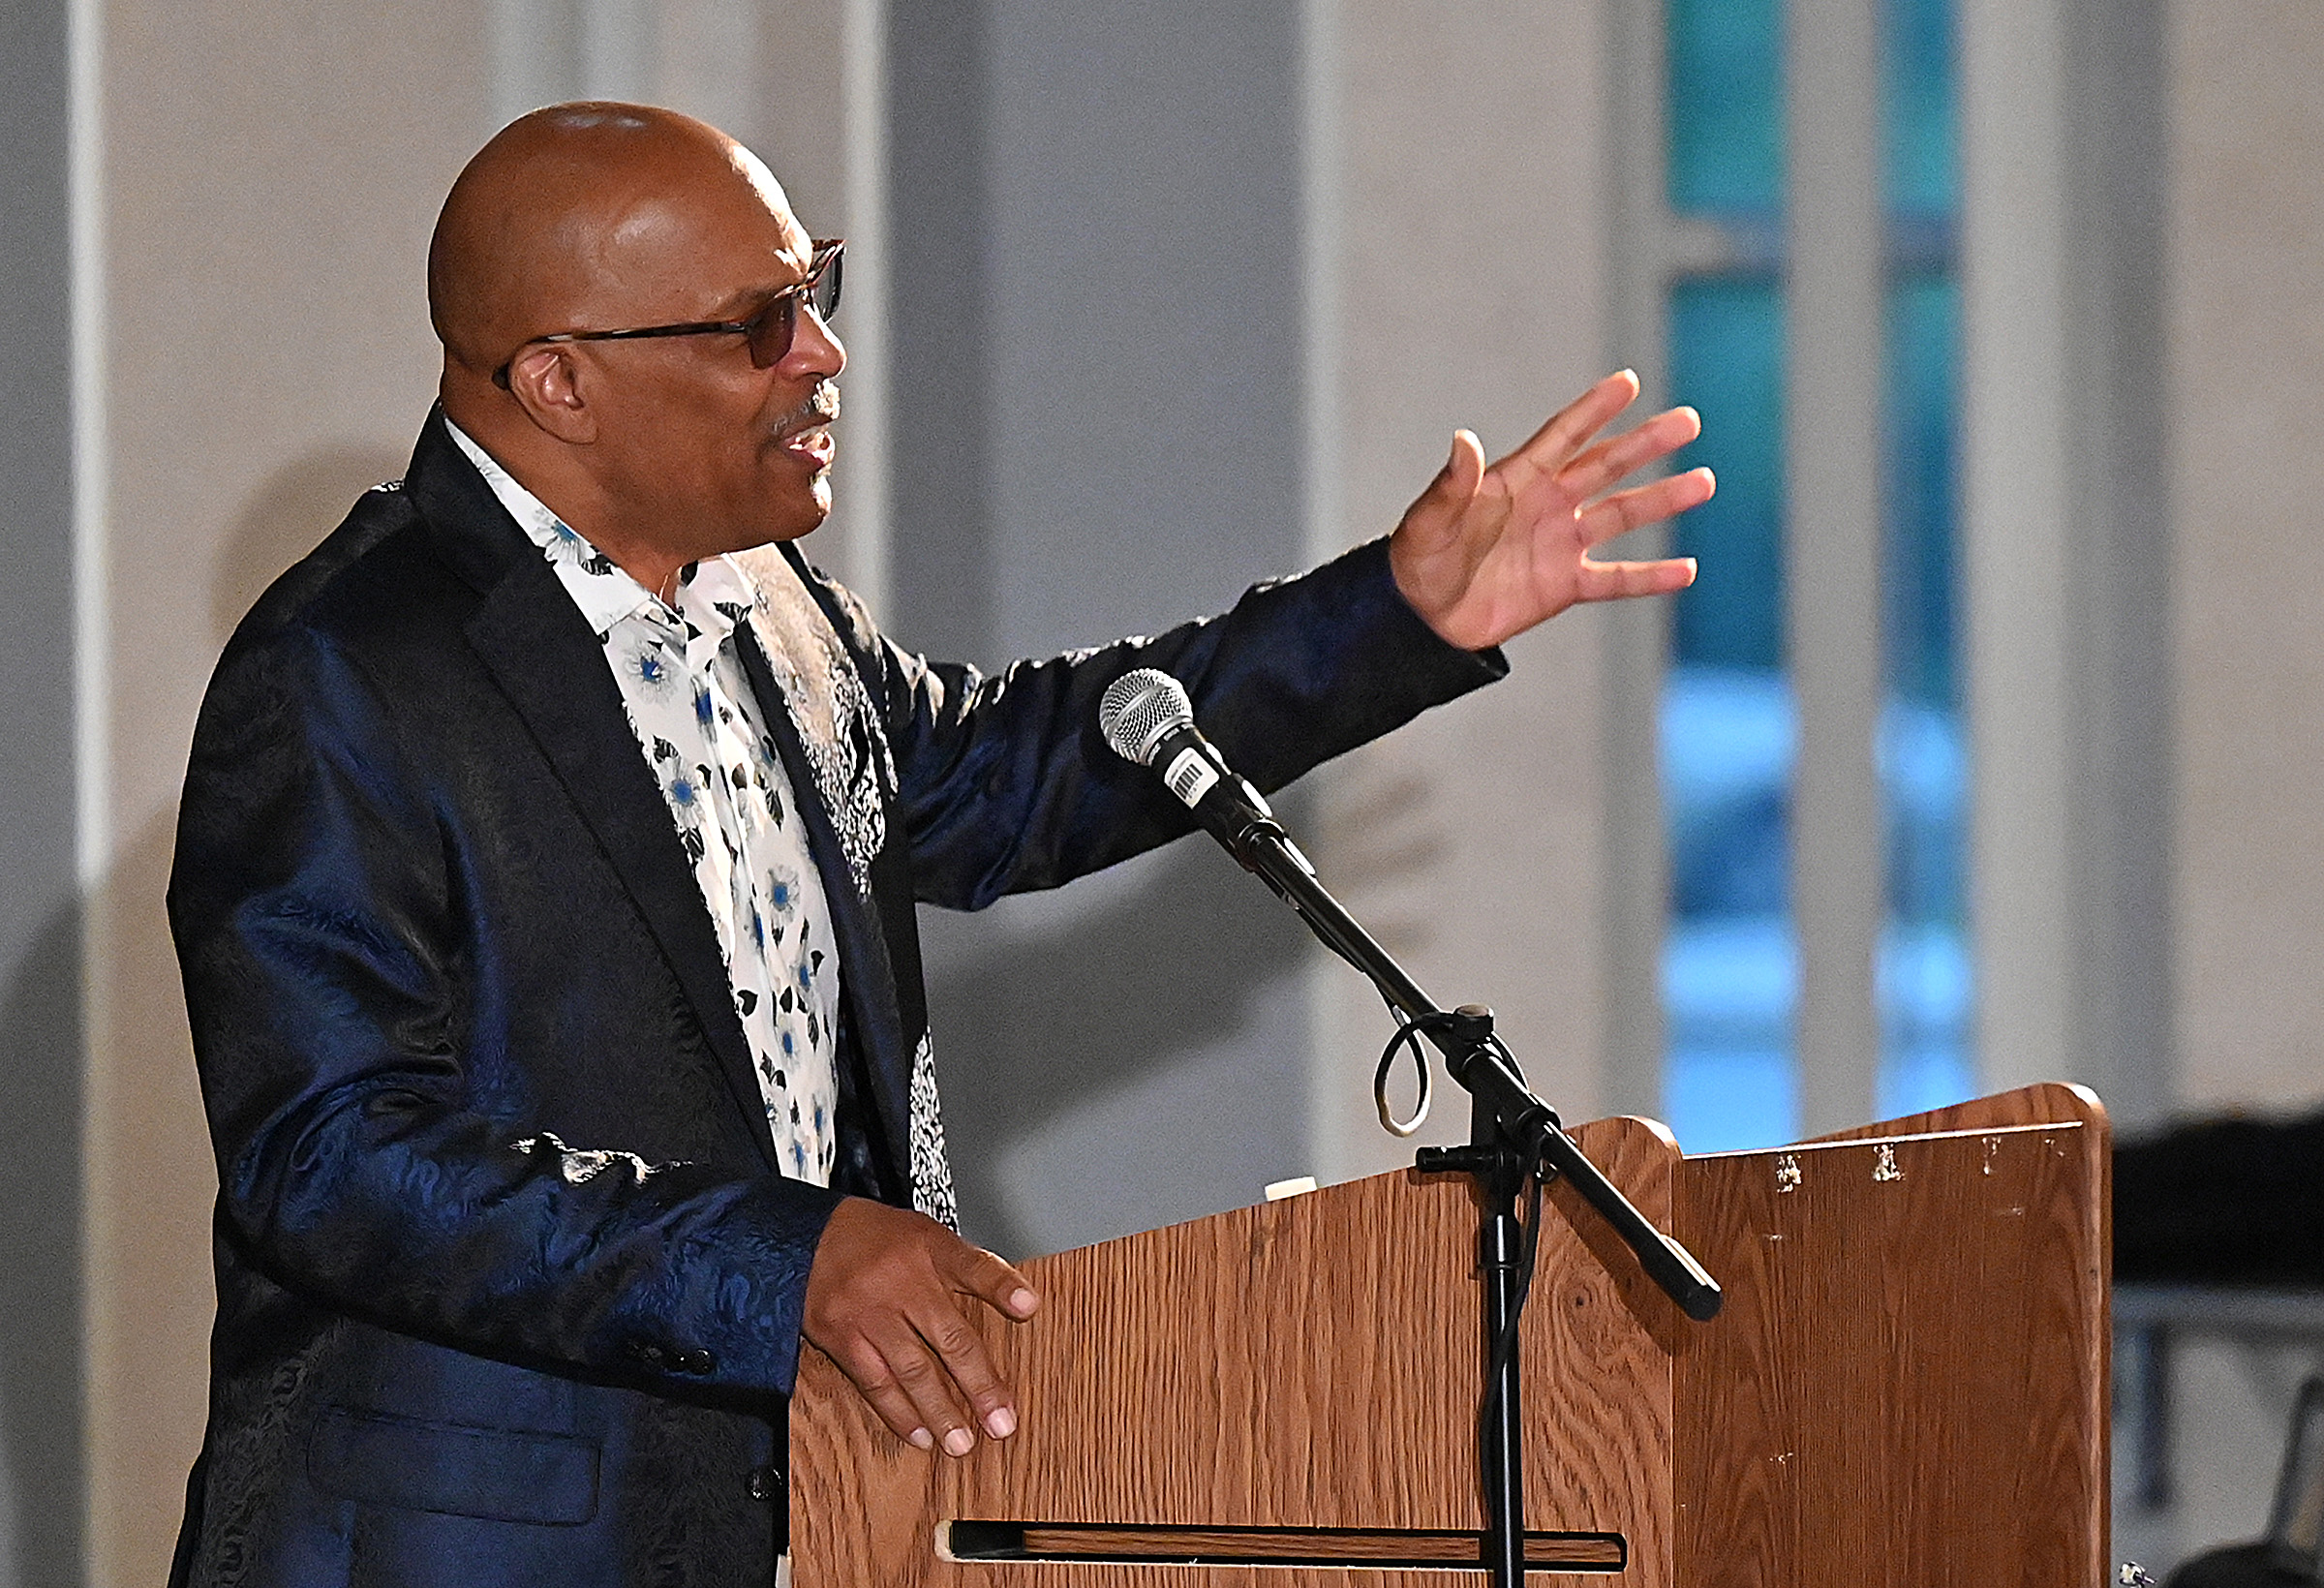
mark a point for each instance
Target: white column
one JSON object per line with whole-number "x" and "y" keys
{"x": 1457, "y": 209}
{"x": 2246, "y": 345}
{"x": 862, "y": 515}
{"x": 1642, "y": 249}
{"x": 2015, "y": 525}
{"x": 1832, "y": 543}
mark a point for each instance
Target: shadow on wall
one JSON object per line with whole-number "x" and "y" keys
{"x": 41, "y": 1409}
{"x": 1032, "y": 1026}
{"x": 298, "y": 506}
{"x": 157, "y": 1247}
{"x": 161, "y": 1253}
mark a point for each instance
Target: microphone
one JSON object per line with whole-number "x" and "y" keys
{"x": 1146, "y": 718}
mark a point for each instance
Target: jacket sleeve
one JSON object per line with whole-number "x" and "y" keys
{"x": 1006, "y": 784}
{"x": 370, "y": 1158}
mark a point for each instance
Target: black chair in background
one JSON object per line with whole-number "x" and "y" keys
{"x": 2288, "y": 1556}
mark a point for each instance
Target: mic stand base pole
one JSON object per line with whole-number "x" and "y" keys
{"x": 1500, "y": 1172}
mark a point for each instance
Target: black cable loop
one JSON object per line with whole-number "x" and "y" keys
{"x": 1409, "y": 1032}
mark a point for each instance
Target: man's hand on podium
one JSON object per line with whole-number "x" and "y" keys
{"x": 1486, "y": 553}
{"x": 885, "y": 1299}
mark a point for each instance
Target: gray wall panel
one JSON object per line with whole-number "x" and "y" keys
{"x": 1097, "y": 430}
{"x": 40, "y": 1468}
{"x": 1145, "y": 314}
{"x": 939, "y": 87}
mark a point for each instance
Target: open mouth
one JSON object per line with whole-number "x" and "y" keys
{"x": 807, "y": 433}
{"x": 812, "y": 444}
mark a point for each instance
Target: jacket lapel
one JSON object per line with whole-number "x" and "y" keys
{"x": 541, "y": 653}
{"x": 867, "y": 976}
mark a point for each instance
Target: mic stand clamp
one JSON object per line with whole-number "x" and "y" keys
{"x": 1499, "y": 1168}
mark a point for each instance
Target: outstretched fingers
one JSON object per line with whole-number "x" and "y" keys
{"x": 944, "y": 1355}
{"x": 1618, "y": 514}
{"x": 928, "y": 1375}
{"x": 881, "y": 1382}
{"x": 1551, "y": 448}
{"x": 1617, "y": 458}
{"x": 1612, "y": 581}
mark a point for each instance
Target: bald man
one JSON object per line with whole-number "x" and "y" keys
{"x": 546, "y": 883}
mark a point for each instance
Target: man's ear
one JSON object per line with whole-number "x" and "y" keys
{"x": 547, "y": 383}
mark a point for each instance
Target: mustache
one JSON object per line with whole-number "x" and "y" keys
{"x": 821, "y": 407}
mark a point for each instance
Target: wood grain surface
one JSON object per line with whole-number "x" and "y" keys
{"x": 1907, "y": 1387}
{"x": 1311, "y": 1363}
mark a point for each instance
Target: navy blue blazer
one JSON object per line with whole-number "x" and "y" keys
{"x": 508, "y": 1283}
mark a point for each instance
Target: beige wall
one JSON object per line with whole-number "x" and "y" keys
{"x": 2247, "y": 312}
{"x": 1464, "y": 226}
{"x": 270, "y": 176}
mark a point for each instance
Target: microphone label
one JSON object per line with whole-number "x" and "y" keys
{"x": 1190, "y": 777}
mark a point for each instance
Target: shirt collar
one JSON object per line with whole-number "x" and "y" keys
{"x": 712, "y": 595}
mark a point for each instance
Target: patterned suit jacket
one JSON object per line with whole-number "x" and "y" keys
{"x": 508, "y": 1284}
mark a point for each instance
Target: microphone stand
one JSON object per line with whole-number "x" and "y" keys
{"x": 1513, "y": 1135}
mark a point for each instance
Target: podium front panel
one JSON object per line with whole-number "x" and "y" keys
{"x": 1299, "y": 1375}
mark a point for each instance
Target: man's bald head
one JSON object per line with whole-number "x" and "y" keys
{"x": 600, "y": 217}
{"x": 564, "y": 210}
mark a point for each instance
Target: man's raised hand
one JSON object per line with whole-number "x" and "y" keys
{"x": 1486, "y": 554}
{"x": 885, "y": 1300}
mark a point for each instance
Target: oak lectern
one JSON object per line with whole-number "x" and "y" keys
{"x": 1907, "y": 1387}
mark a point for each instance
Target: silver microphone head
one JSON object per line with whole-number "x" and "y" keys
{"x": 1138, "y": 709}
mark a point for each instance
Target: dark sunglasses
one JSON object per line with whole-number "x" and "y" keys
{"x": 770, "y": 330}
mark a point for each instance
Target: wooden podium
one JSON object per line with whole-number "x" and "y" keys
{"x": 1907, "y": 1387}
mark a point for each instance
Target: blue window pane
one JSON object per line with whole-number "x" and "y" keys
{"x": 1729, "y": 736}
{"x": 1924, "y": 980}
{"x": 1725, "y": 98}
{"x": 1733, "y": 1101}
{"x": 1917, "y": 479}
{"x": 1917, "y": 107}
{"x": 1922, "y": 970}
{"x": 1731, "y": 961}
{"x": 1727, "y": 358}
{"x": 1926, "y": 996}
{"x": 1924, "y": 783}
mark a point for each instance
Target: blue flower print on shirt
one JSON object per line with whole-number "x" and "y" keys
{"x": 566, "y": 545}
{"x": 681, "y": 792}
{"x": 782, "y": 893}
{"x": 645, "y": 662}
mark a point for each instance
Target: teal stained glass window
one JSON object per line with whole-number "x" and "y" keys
{"x": 1729, "y": 727}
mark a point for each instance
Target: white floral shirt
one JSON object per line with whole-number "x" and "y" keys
{"x": 705, "y": 739}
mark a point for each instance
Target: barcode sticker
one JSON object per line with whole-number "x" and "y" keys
{"x": 1190, "y": 777}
